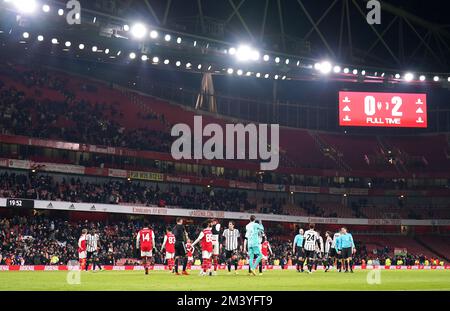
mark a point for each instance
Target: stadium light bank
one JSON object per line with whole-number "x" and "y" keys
{"x": 258, "y": 143}
{"x": 30, "y": 7}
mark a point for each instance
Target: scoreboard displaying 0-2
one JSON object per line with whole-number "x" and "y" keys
{"x": 382, "y": 109}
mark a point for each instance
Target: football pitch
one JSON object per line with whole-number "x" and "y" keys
{"x": 287, "y": 280}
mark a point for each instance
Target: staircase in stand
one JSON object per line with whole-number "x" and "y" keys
{"x": 447, "y": 148}
{"x": 426, "y": 246}
{"x": 330, "y": 152}
{"x": 134, "y": 98}
{"x": 399, "y": 166}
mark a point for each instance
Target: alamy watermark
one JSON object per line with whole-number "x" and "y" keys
{"x": 73, "y": 16}
{"x": 74, "y": 274}
{"x": 374, "y": 277}
{"x": 240, "y": 141}
{"x": 374, "y": 16}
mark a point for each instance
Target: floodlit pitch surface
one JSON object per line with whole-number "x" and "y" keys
{"x": 286, "y": 280}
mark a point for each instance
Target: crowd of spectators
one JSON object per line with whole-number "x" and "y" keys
{"x": 100, "y": 123}
{"x": 114, "y": 191}
{"x": 71, "y": 119}
{"x": 44, "y": 187}
{"x": 41, "y": 240}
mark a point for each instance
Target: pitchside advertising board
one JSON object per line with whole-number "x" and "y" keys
{"x": 382, "y": 109}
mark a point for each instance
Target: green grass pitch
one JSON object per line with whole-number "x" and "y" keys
{"x": 270, "y": 280}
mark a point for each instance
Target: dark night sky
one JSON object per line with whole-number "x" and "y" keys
{"x": 296, "y": 23}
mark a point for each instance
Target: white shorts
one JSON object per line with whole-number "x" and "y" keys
{"x": 82, "y": 255}
{"x": 190, "y": 258}
{"x": 265, "y": 257}
{"x": 206, "y": 255}
{"x": 146, "y": 254}
{"x": 216, "y": 248}
{"x": 170, "y": 255}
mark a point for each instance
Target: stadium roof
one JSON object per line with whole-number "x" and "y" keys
{"x": 292, "y": 40}
{"x": 415, "y": 35}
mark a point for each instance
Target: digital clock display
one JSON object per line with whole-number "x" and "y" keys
{"x": 25, "y": 203}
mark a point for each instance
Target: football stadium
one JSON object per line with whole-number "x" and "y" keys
{"x": 226, "y": 145}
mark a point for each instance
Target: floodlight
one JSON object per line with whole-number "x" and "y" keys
{"x": 138, "y": 30}
{"x": 153, "y": 34}
{"x": 25, "y": 6}
{"x": 409, "y": 76}
{"x": 325, "y": 67}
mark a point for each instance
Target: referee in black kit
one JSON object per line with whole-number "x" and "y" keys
{"x": 180, "y": 245}
{"x": 231, "y": 236}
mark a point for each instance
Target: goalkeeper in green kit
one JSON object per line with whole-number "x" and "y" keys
{"x": 253, "y": 243}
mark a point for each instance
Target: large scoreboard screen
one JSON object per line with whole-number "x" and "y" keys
{"x": 382, "y": 109}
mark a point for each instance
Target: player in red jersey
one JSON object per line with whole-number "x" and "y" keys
{"x": 82, "y": 249}
{"x": 215, "y": 229}
{"x": 169, "y": 245}
{"x": 145, "y": 241}
{"x": 266, "y": 250}
{"x": 205, "y": 237}
{"x": 190, "y": 253}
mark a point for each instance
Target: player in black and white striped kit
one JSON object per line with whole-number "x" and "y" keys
{"x": 328, "y": 260}
{"x": 231, "y": 244}
{"x": 92, "y": 244}
{"x": 310, "y": 239}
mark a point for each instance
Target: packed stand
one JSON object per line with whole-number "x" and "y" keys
{"x": 41, "y": 240}
{"x": 69, "y": 118}
{"x": 44, "y": 187}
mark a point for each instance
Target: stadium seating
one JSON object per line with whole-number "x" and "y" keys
{"x": 71, "y": 108}
{"x": 359, "y": 152}
{"x": 438, "y": 244}
{"x": 36, "y": 240}
{"x": 390, "y": 242}
{"x": 117, "y": 117}
{"x": 424, "y": 153}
